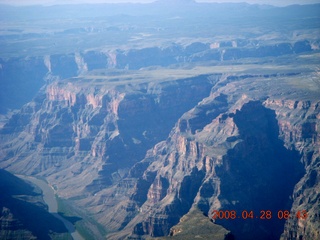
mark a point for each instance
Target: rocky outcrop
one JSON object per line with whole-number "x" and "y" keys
{"x": 254, "y": 164}
{"x": 208, "y": 140}
{"x": 230, "y": 160}
{"x": 148, "y": 127}
{"x": 304, "y": 138}
{"x": 28, "y": 75}
{"x": 70, "y": 121}
{"x": 93, "y": 140}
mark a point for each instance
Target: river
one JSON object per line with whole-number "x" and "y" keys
{"x": 50, "y": 199}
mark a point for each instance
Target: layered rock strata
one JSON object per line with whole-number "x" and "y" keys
{"x": 18, "y": 89}
{"x": 139, "y": 154}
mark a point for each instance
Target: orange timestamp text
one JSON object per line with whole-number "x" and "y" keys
{"x": 263, "y": 214}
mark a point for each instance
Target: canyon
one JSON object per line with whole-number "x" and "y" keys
{"x": 24, "y": 214}
{"x": 146, "y": 142}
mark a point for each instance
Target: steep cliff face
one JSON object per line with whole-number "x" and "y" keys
{"x": 303, "y": 137}
{"x": 28, "y": 75}
{"x": 140, "y": 154}
{"x": 147, "y": 119}
{"x": 230, "y": 152}
{"x": 250, "y": 174}
{"x": 110, "y": 127}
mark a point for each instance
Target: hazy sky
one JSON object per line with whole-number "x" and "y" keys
{"x": 50, "y": 2}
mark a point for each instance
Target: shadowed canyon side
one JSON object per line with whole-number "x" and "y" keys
{"x": 251, "y": 171}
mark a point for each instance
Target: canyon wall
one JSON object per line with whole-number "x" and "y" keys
{"x": 140, "y": 156}
{"x": 22, "y": 78}
{"x": 147, "y": 119}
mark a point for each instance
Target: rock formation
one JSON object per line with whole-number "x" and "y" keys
{"x": 41, "y": 69}
{"x": 228, "y": 152}
{"x": 145, "y": 140}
